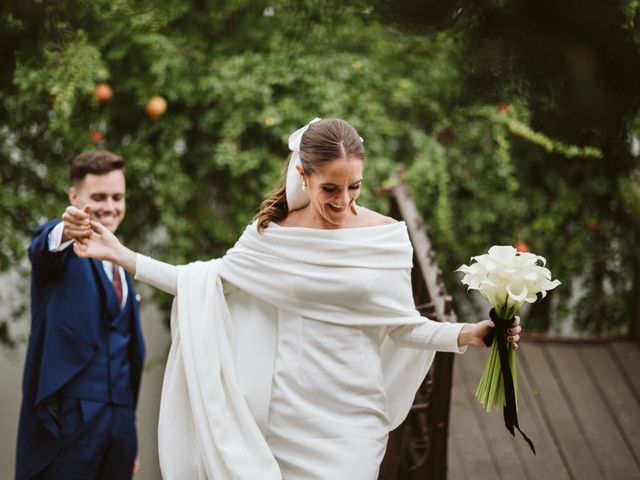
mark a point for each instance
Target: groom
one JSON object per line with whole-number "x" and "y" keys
{"x": 85, "y": 353}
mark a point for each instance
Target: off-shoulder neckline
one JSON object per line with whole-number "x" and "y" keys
{"x": 382, "y": 225}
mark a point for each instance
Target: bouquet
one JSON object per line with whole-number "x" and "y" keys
{"x": 507, "y": 278}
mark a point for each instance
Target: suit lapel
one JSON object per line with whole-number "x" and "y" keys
{"x": 107, "y": 287}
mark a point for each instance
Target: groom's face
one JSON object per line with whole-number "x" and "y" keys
{"x": 105, "y": 196}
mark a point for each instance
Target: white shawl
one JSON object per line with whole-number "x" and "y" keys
{"x": 207, "y": 427}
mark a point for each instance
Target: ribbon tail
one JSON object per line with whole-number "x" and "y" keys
{"x": 511, "y": 422}
{"x": 527, "y": 439}
{"x": 509, "y": 411}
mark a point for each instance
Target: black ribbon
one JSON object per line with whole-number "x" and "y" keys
{"x": 510, "y": 413}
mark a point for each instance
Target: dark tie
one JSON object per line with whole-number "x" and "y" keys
{"x": 117, "y": 283}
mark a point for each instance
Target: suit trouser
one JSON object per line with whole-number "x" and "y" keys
{"x": 98, "y": 442}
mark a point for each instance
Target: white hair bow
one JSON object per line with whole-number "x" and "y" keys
{"x": 296, "y": 197}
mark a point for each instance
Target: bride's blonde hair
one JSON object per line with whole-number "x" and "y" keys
{"x": 324, "y": 141}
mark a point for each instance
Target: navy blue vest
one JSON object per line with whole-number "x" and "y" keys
{"x": 107, "y": 379}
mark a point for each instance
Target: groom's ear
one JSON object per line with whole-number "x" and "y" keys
{"x": 72, "y": 193}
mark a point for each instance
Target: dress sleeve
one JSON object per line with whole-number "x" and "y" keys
{"x": 157, "y": 274}
{"x": 439, "y": 336}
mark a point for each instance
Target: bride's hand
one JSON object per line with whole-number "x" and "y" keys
{"x": 101, "y": 244}
{"x": 473, "y": 333}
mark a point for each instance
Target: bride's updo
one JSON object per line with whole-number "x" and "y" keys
{"x": 324, "y": 141}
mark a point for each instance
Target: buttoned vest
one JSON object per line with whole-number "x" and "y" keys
{"x": 107, "y": 378}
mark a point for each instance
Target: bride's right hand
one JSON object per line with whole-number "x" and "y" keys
{"x": 101, "y": 244}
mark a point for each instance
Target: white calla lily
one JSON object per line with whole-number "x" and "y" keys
{"x": 508, "y": 278}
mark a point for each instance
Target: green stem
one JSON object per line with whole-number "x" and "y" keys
{"x": 512, "y": 365}
{"x": 490, "y": 392}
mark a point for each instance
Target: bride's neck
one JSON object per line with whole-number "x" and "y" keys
{"x": 308, "y": 217}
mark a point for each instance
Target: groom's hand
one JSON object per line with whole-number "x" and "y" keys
{"x": 77, "y": 223}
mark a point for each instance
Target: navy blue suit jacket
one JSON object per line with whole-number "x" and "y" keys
{"x": 72, "y": 305}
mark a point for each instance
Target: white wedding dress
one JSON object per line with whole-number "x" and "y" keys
{"x": 293, "y": 356}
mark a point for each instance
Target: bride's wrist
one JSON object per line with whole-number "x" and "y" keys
{"x": 126, "y": 258}
{"x": 466, "y": 334}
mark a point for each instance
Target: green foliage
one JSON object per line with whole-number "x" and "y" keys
{"x": 239, "y": 76}
{"x": 237, "y": 82}
{"x": 485, "y": 183}
{"x": 539, "y": 152}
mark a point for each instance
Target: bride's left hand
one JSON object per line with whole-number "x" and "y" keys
{"x": 473, "y": 333}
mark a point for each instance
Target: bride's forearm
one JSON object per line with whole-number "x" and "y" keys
{"x": 157, "y": 274}
{"x": 126, "y": 258}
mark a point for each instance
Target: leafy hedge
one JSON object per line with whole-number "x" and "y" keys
{"x": 239, "y": 76}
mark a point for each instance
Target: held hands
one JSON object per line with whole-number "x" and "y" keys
{"x": 100, "y": 243}
{"x": 92, "y": 238}
{"x": 76, "y": 223}
{"x": 473, "y": 333}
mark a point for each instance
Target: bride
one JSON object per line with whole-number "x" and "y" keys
{"x": 296, "y": 353}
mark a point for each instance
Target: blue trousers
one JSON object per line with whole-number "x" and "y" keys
{"x": 98, "y": 442}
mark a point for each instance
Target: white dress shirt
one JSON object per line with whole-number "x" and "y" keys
{"x": 56, "y": 245}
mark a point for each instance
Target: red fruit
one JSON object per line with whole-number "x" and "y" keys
{"x": 103, "y": 93}
{"x": 96, "y": 137}
{"x": 504, "y": 107}
{"x": 522, "y": 247}
{"x": 593, "y": 226}
{"x": 156, "y": 107}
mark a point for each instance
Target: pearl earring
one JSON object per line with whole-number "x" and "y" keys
{"x": 304, "y": 187}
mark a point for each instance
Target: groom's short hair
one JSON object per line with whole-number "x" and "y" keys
{"x": 97, "y": 162}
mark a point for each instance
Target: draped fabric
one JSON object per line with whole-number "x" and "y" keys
{"x": 216, "y": 391}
